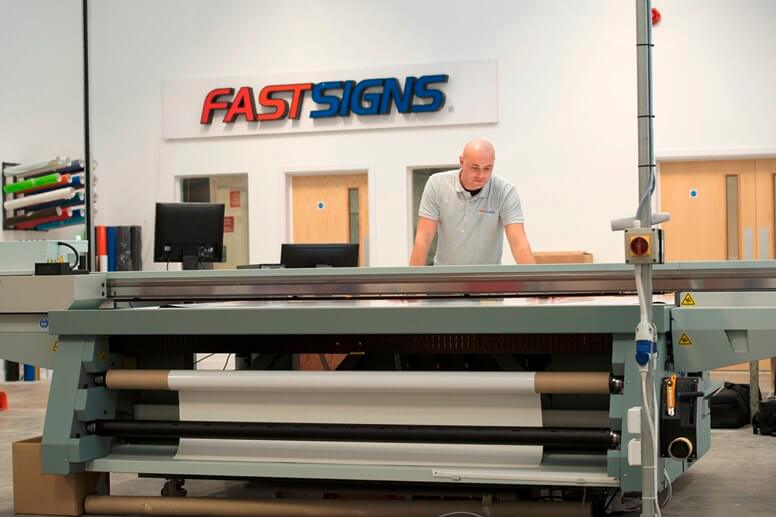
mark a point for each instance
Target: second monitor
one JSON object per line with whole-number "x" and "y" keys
{"x": 319, "y": 255}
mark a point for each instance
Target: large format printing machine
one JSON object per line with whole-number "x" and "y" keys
{"x": 497, "y": 390}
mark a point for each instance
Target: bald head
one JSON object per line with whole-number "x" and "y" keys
{"x": 476, "y": 162}
{"x": 477, "y": 147}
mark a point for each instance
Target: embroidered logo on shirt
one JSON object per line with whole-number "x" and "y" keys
{"x": 484, "y": 211}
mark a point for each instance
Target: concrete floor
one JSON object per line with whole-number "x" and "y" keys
{"x": 737, "y": 478}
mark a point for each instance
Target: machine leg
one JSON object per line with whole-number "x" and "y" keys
{"x": 754, "y": 393}
{"x": 174, "y": 488}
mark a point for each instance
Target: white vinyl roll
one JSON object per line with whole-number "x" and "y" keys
{"x": 407, "y": 454}
{"x": 36, "y": 199}
{"x": 396, "y": 382}
{"x": 23, "y": 170}
{"x": 402, "y": 398}
{"x": 362, "y": 408}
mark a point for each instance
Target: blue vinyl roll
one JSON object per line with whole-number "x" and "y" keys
{"x": 60, "y": 224}
{"x": 111, "y": 232}
{"x": 75, "y": 166}
{"x": 29, "y": 372}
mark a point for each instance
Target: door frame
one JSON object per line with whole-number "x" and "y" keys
{"x": 698, "y": 155}
{"x": 177, "y": 189}
{"x": 330, "y": 170}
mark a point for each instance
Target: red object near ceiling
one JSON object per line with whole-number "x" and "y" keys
{"x": 656, "y": 16}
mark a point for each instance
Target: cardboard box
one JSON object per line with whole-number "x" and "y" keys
{"x": 563, "y": 257}
{"x": 44, "y": 494}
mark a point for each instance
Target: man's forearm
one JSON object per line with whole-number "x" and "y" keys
{"x": 523, "y": 255}
{"x": 419, "y": 253}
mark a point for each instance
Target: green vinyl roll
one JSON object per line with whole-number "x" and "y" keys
{"x": 40, "y": 181}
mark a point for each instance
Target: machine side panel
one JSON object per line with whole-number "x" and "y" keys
{"x": 707, "y": 338}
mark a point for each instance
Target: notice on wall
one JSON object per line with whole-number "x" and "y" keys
{"x": 234, "y": 198}
{"x": 229, "y": 224}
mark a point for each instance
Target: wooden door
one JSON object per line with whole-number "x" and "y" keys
{"x": 765, "y": 186}
{"x": 720, "y": 210}
{"x": 712, "y": 210}
{"x": 331, "y": 209}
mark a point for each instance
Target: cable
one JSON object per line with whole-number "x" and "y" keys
{"x": 648, "y": 370}
{"x": 651, "y": 432}
{"x": 324, "y": 362}
{"x": 608, "y": 503}
{"x": 75, "y": 252}
{"x": 655, "y": 457}
{"x": 668, "y": 487}
{"x": 647, "y": 193}
{"x": 642, "y": 295}
{"x": 228, "y": 356}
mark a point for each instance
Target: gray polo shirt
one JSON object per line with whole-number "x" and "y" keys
{"x": 470, "y": 228}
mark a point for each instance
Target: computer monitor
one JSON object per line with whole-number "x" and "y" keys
{"x": 319, "y": 255}
{"x": 191, "y": 233}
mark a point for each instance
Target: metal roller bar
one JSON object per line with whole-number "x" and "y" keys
{"x": 578, "y": 438}
{"x": 550, "y": 417}
{"x": 568, "y": 383}
{"x": 437, "y": 282}
{"x": 200, "y": 506}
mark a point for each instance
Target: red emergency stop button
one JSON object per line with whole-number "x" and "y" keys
{"x": 639, "y": 246}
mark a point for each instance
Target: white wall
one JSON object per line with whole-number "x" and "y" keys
{"x": 41, "y": 87}
{"x": 567, "y": 106}
{"x": 715, "y": 75}
{"x": 566, "y": 135}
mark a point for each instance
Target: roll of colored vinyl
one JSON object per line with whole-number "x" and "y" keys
{"x": 40, "y": 181}
{"x": 38, "y": 214}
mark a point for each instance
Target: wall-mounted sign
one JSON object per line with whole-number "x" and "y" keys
{"x": 229, "y": 224}
{"x": 333, "y": 98}
{"x": 234, "y": 198}
{"x": 404, "y": 96}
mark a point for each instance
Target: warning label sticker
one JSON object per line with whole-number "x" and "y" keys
{"x": 685, "y": 340}
{"x": 688, "y": 300}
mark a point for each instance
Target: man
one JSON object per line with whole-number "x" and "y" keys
{"x": 470, "y": 207}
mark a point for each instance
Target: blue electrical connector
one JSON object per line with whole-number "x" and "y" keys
{"x": 644, "y": 347}
{"x": 645, "y": 343}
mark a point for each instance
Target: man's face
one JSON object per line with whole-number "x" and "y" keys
{"x": 476, "y": 168}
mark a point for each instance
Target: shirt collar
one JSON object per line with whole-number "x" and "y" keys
{"x": 459, "y": 186}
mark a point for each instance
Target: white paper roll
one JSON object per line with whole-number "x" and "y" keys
{"x": 395, "y": 382}
{"x": 403, "y": 398}
{"x": 23, "y": 170}
{"x": 362, "y": 453}
{"x": 36, "y": 199}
